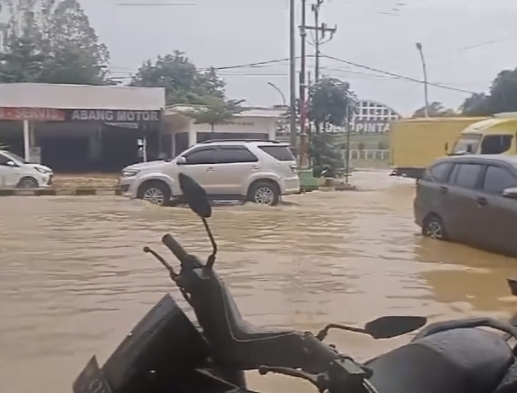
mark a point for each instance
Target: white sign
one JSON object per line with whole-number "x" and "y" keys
{"x": 35, "y": 155}
{"x": 115, "y": 116}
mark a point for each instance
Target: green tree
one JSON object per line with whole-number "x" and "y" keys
{"x": 476, "y": 105}
{"x": 325, "y": 153}
{"x": 435, "y": 109}
{"x": 183, "y": 82}
{"x": 328, "y": 102}
{"x": 76, "y": 55}
{"x": 502, "y": 97}
{"x": 23, "y": 58}
{"x": 215, "y": 110}
{"x": 51, "y": 41}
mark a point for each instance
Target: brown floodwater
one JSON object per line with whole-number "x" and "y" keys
{"x": 74, "y": 281}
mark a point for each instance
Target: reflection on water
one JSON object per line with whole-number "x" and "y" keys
{"x": 74, "y": 281}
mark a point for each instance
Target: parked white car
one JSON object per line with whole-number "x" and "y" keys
{"x": 258, "y": 171}
{"x": 16, "y": 172}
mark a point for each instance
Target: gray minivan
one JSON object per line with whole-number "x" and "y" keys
{"x": 471, "y": 200}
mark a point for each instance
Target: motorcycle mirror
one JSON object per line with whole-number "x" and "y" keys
{"x": 195, "y": 195}
{"x": 199, "y": 204}
{"x": 392, "y": 326}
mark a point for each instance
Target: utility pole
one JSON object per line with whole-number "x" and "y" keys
{"x": 303, "y": 87}
{"x": 292, "y": 72}
{"x": 323, "y": 29}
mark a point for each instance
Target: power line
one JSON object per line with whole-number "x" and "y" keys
{"x": 385, "y": 73}
{"x": 249, "y": 65}
{"x": 398, "y": 75}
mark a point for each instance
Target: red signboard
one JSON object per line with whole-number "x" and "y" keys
{"x": 38, "y": 114}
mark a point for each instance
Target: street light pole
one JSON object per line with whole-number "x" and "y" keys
{"x": 292, "y": 72}
{"x": 421, "y": 51}
{"x": 284, "y": 103}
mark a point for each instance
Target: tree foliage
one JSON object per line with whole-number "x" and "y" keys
{"x": 51, "y": 41}
{"x": 329, "y": 100}
{"x": 215, "y": 110}
{"x": 502, "y": 97}
{"x": 183, "y": 82}
{"x": 435, "y": 109}
{"x": 325, "y": 154}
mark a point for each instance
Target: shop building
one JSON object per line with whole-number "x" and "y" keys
{"x": 77, "y": 128}
{"x": 181, "y": 131}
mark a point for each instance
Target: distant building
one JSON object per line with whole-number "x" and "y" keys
{"x": 370, "y": 117}
{"x": 369, "y": 139}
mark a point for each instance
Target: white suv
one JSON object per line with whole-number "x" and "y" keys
{"x": 16, "y": 172}
{"x": 258, "y": 171}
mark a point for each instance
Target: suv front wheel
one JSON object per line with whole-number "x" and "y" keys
{"x": 156, "y": 192}
{"x": 264, "y": 193}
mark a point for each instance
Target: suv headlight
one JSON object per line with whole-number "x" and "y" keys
{"x": 130, "y": 172}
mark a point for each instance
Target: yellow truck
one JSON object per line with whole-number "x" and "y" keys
{"x": 416, "y": 143}
{"x": 496, "y": 135}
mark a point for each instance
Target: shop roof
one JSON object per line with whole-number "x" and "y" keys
{"x": 54, "y": 96}
{"x": 255, "y": 112}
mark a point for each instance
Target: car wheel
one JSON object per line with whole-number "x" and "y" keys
{"x": 156, "y": 192}
{"x": 28, "y": 182}
{"x": 265, "y": 193}
{"x": 433, "y": 227}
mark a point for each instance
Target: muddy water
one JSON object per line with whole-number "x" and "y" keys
{"x": 73, "y": 279}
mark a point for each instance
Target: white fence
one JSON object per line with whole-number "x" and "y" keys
{"x": 368, "y": 154}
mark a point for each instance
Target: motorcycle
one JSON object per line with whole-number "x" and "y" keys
{"x": 167, "y": 353}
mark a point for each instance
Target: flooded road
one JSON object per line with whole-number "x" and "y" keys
{"x": 74, "y": 281}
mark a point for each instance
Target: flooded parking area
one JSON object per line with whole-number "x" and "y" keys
{"x": 74, "y": 279}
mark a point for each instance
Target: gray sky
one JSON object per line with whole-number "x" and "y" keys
{"x": 466, "y": 43}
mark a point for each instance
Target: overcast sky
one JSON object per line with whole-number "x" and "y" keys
{"x": 466, "y": 43}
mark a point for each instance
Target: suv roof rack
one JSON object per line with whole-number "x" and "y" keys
{"x": 238, "y": 140}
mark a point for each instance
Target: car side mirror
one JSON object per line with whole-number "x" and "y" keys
{"x": 510, "y": 193}
{"x": 11, "y": 163}
{"x": 181, "y": 160}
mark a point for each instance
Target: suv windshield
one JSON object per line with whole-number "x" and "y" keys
{"x": 281, "y": 153}
{"x": 16, "y": 158}
{"x": 468, "y": 143}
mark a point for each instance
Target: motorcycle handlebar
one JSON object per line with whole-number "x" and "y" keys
{"x": 176, "y": 248}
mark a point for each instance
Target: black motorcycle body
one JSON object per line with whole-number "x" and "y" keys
{"x": 164, "y": 353}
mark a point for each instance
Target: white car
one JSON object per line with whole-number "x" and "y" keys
{"x": 16, "y": 172}
{"x": 258, "y": 171}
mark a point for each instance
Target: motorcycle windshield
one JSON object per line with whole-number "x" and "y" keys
{"x": 163, "y": 343}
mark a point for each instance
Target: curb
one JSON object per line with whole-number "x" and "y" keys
{"x": 81, "y": 191}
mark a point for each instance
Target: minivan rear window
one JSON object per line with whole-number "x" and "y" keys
{"x": 281, "y": 153}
